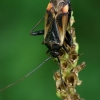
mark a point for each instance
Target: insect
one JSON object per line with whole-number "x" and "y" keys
{"x": 57, "y": 18}
{"x": 56, "y": 36}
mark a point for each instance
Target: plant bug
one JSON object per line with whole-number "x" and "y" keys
{"x": 56, "y": 36}
{"x": 57, "y": 18}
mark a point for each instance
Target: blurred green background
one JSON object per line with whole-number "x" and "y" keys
{"x": 20, "y": 52}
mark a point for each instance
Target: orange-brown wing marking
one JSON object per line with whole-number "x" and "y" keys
{"x": 49, "y": 6}
{"x": 65, "y": 9}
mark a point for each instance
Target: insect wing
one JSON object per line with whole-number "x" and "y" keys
{"x": 56, "y": 21}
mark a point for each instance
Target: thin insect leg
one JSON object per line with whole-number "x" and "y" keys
{"x": 67, "y": 41}
{"x": 47, "y": 51}
{"x": 65, "y": 49}
{"x": 69, "y": 38}
{"x": 40, "y": 32}
{"x": 25, "y": 75}
{"x": 36, "y": 25}
{"x": 61, "y": 75}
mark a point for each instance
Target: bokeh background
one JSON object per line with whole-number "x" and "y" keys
{"x": 20, "y": 52}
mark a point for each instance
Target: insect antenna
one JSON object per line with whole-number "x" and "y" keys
{"x": 26, "y": 75}
{"x": 37, "y": 24}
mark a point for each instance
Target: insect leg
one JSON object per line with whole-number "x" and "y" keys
{"x": 40, "y": 32}
{"x": 68, "y": 39}
{"x": 37, "y": 32}
{"x": 65, "y": 48}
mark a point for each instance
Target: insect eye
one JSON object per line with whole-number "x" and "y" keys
{"x": 49, "y": 6}
{"x": 65, "y": 9}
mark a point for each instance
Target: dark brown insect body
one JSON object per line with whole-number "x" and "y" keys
{"x": 57, "y": 18}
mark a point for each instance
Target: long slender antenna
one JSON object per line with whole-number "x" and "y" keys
{"x": 25, "y": 75}
{"x": 37, "y": 24}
